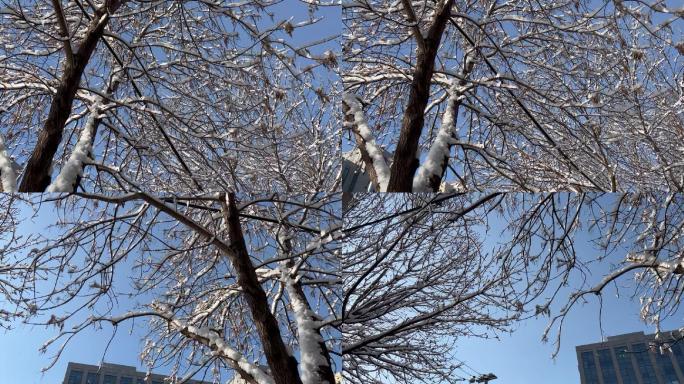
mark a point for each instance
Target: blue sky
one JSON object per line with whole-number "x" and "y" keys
{"x": 522, "y": 358}
{"x": 516, "y": 358}
{"x": 20, "y": 361}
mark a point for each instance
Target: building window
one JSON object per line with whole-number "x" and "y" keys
{"x": 139, "y": 381}
{"x": 666, "y": 368}
{"x": 109, "y": 379}
{"x": 648, "y": 375}
{"x": 93, "y": 378}
{"x": 75, "y": 377}
{"x": 607, "y": 367}
{"x": 126, "y": 380}
{"x": 589, "y": 368}
{"x": 624, "y": 359}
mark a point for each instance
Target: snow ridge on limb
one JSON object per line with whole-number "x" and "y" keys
{"x": 310, "y": 340}
{"x": 215, "y": 342}
{"x": 72, "y": 170}
{"x": 73, "y": 167}
{"x": 7, "y": 175}
{"x": 314, "y": 355}
{"x": 446, "y": 136}
{"x": 368, "y": 145}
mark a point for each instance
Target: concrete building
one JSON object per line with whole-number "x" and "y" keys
{"x": 354, "y": 176}
{"x": 633, "y": 358}
{"x": 111, "y": 374}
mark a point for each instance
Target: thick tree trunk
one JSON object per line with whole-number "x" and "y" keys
{"x": 405, "y": 160}
{"x": 36, "y": 176}
{"x": 283, "y": 366}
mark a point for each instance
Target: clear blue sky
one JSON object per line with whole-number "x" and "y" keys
{"x": 20, "y": 361}
{"x": 521, "y": 358}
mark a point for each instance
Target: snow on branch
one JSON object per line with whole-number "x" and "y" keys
{"x": 374, "y": 151}
{"x": 216, "y": 343}
{"x": 73, "y": 168}
{"x": 7, "y": 175}
{"x": 310, "y": 340}
{"x": 446, "y": 136}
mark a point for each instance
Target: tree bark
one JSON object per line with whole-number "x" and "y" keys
{"x": 405, "y": 160}
{"x": 283, "y": 366}
{"x": 36, "y": 177}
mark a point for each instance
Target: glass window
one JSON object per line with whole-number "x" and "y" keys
{"x": 648, "y": 375}
{"x": 624, "y": 359}
{"x": 109, "y": 379}
{"x": 126, "y": 380}
{"x": 139, "y": 381}
{"x": 589, "y": 368}
{"x": 75, "y": 377}
{"x": 93, "y": 378}
{"x": 666, "y": 368}
{"x": 607, "y": 367}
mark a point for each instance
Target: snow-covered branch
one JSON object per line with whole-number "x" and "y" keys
{"x": 367, "y": 144}
{"x": 447, "y": 135}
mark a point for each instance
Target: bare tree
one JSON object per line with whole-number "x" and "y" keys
{"x": 169, "y": 96}
{"x": 512, "y": 95}
{"x": 241, "y": 286}
{"x": 423, "y": 270}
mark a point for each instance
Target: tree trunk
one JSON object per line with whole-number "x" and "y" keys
{"x": 405, "y": 160}
{"x": 283, "y": 366}
{"x": 36, "y": 177}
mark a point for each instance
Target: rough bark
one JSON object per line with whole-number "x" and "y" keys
{"x": 36, "y": 177}
{"x": 405, "y": 160}
{"x": 283, "y": 366}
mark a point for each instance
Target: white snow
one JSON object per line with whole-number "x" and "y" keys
{"x": 214, "y": 339}
{"x": 217, "y": 342}
{"x": 310, "y": 340}
{"x": 374, "y": 151}
{"x": 7, "y": 175}
{"x": 73, "y": 167}
{"x": 446, "y": 136}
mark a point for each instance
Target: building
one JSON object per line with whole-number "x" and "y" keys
{"x": 633, "y": 358}
{"x": 111, "y": 374}
{"x": 354, "y": 176}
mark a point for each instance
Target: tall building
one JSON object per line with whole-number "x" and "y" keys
{"x": 111, "y": 374}
{"x": 633, "y": 358}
